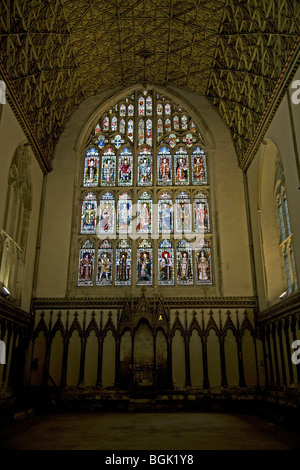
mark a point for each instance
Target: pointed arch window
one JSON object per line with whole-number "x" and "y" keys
{"x": 166, "y": 263}
{"x": 108, "y": 168}
{"x": 89, "y": 213}
{"x": 145, "y": 167}
{"x": 184, "y": 263}
{"x": 106, "y": 214}
{"x": 91, "y": 168}
{"x": 86, "y": 264}
{"x": 123, "y": 263}
{"x": 125, "y": 167}
{"x": 144, "y": 263}
{"x": 104, "y": 264}
{"x": 165, "y": 213}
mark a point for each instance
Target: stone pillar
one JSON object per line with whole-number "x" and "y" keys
{"x": 205, "y": 364}
{"x": 223, "y": 363}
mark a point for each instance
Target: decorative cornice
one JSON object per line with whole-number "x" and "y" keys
{"x": 282, "y": 309}
{"x": 171, "y": 302}
{"x": 273, "y": 104}
{"x": 11, "y": 312}
{"x": 24, "y": 121}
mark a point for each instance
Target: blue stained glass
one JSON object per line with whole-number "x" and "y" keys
{"x": 124, "y": 213}
{"x": 130, "y": 129}
{"x": 141, "y": 132}
{"x": 123, "y": 110}
{"x": 130, "y": 110}
{"x": 145, "y": 167}
{"x": 165, "y": 213}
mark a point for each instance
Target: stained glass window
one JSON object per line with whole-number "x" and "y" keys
{"x": 144, "y": 263}
{"x": 160, "y": 129}
{"x": 165, "y": 263}
{"x": 164, "y": 166}
{"x": 130, "y": 110}
{"x": 125, "y": 167}
{"x": 176, "y": 123}
{"x": 184, "y": 263}
{"x": 108, "y": 168}
{"x": 123, "y": 263}
{"x": 104, "y": 264}
{"x": 86, "y": 264}
{"x": 167, "y": 109}
{"x": 91, "y": 168}
{"x": 120, "y": 156}
{"x": 184, "y": 121}
{"x": 114, "y": 124}
{"x": 165, "y": 213}
{"x": 199, "y": 174}
{"x": 130, "y": 129}
{"x": 144, "y": 213}
{"x": 106, "y": 123}
{"x": 167, "y": 125}
{"x": 203, "y": 263}
{"x": 149, "y": 132}
{"x": 141, "y": 106}
{"x": 201, "y": 213}
{"x": 89, "y": 213}
{"x": 141, "y": 132}
{"x": 145, "y": 167}
{"x": 106, "y": 214}
{"x": 124, "y": 213}
{"x": 181, "y": 163}
{"x": 123, "y": 110}
{"x": 183, "y": 213}
{"x": 122, "y": 126}
{"x": 148, "y": 106}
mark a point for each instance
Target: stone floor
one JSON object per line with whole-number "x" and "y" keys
{"x": 147, "y": 431}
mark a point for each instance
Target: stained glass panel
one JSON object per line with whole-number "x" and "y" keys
{"x": 104, "y": 264}
{"x": 145, "y": 167}
{"x": 165, "y": 263}
{"x": 97, "y": 129}
{"x": 184, "y": 121}
{"x": 183, "y": 213}
{"x": 108, "y": 168}
{"x": 144, "y": 263}
{"x": 125, "y": 167}
{"x": 193, "y": 127}
{"x": 130, "y": 130}
{"x": 181, "y": 163}
{"x": 148, "y": 106}
{"x": 149, "y": 132}
{"x": 159, "y": 109}
{"x": 199, "y": 174}
{"x": 106, "y": 123}
{"x": 86, "y": 264}
{"x": 106, "y": 214}
{"x": 164, "y": 166}
{"x": 89, "y": 213}
{"x": 141, "y": 132}
{"x": 201, "y": 213}
{"x": 144, "y": 213}
{"x": 123, "y": 263}
{"x": 91, "y": 168}
{"x": 123, "y": 110}
{"x": 124, "y": 213}
{"x": 176, "y": 123}
{"x": 160, "y": 130}
{"x": 114, "y": 124}
{"x": 141, "y": 106}
{"x": 122, "y": 126}
{"x": 184, "y": 263}
{"x": 167, "y": 125}
{"x": 203, "y": 263}
{"x": 167, "y": 109}
{"x": 130, "y": 110}
{"x": 165, "y": 213}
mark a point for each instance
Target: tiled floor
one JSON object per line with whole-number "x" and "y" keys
{"x": 148, "y": 431}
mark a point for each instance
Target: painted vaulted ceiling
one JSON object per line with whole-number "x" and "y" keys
{"x": 56, "y": 53}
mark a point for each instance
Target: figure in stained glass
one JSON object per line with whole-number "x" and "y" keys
{"x": 160, "y": 130}
{"x": 124, "y": 213}
{"x": 145, "y": 167}
{"x": 122, "y": 126}
{"x": 184, "y": 263}
{"x": 164, "y": 166}
{"x": 165, "y": 263}
{"x": 125, "y": 168}
{"x": 149, "y": 132}
{"x": 106, "y": 214}
{"x": 123, "y": 263}
{"x": 86, "y": 264}
{"x": 176, "y": 123}
{"x": 199, "y": 167}
{"x": 130, "y": 130}
{"x": 148, "y": 106}
{"x": 114, "y": 123}
{"x": 108, "y": 171}
{"x": 165, "y": 213}
{"x": 181, "y": 169}
{"x": 88, "y": 214}
{"x": 201, "y": 213}
{"x": 105, "y": 261}
{"x": 141, "y": 132}
{"x": 91, "y": 168}
{"x": 203, "y": 263}
{"x": 183, "y": 214}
